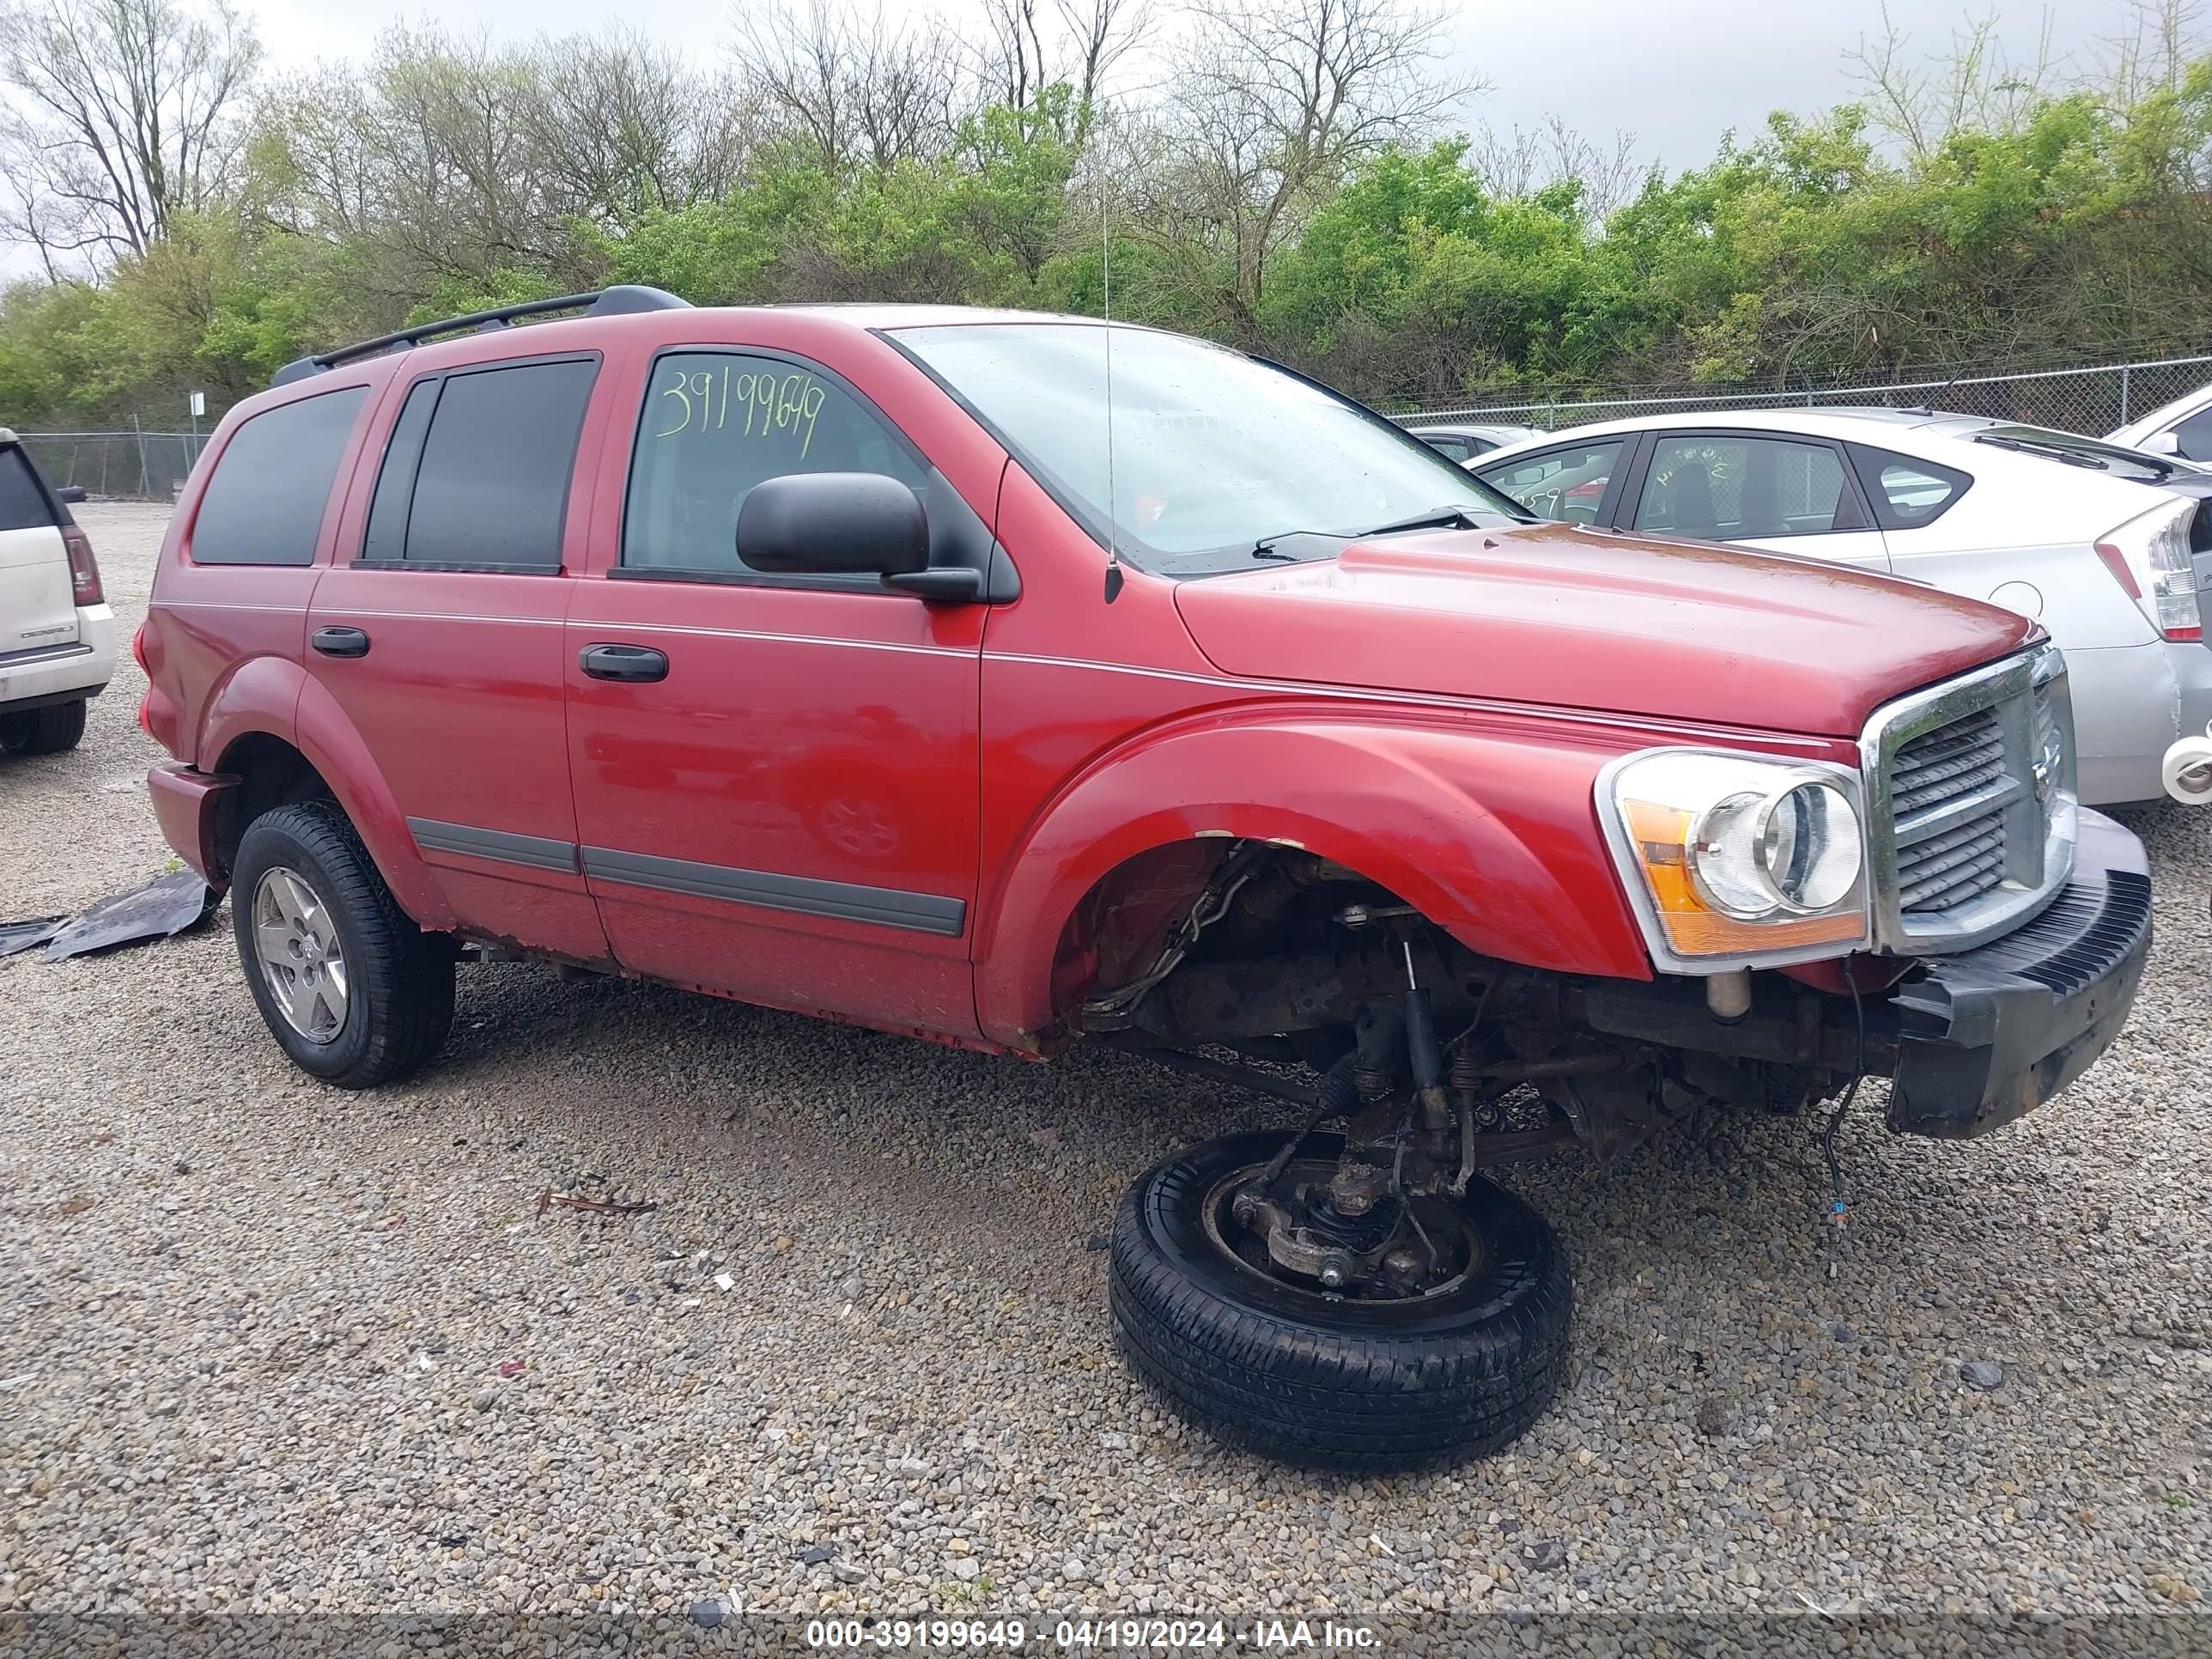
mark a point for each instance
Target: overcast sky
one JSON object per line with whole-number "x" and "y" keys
{"x": 1675, "y": 73}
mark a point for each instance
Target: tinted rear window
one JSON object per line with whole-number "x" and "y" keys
{"x": 395, "y": 481}
{"x": 22, "y": 503}
{"x": 1906, "y": 491}
{"x": 493, "y": 485}
{"x": 264, "y": 503}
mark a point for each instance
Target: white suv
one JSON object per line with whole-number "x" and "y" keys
{"x": 56, "y": 634}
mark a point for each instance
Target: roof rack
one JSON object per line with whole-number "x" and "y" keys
{"x": 600, "y": 302}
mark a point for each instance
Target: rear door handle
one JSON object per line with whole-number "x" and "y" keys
{"x": 636, "y": 664}
{"x": 340, "y": 641}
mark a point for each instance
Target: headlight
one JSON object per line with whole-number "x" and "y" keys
{"x": 1734, "y": 859}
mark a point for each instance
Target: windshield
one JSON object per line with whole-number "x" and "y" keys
{"x": 2076, "y": 451}
{"x": 1217, "y": 461}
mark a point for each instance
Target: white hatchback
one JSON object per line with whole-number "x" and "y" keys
{"x": 2092, "y": 540}
{"x": 2182, "y": 428}
{"x": 57, "y": 632}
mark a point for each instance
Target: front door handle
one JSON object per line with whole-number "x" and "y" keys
{"x": 636, "y": 664}
{"x": 340, "y": 641}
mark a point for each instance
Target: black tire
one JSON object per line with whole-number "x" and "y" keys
{"x": 47, "y": 730}
{"x": 1325, "y": 1383}
{"x": 400, "y": 1003}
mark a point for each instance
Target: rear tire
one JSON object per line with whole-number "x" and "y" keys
{"x": 385, "y": 1010}
{"x": 1330, "y": 1382}
{"x": 48, "y": 731}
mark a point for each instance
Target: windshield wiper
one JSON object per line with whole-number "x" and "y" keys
{"x": 1436, "y": 518}
{"x": 2049, "y": 452}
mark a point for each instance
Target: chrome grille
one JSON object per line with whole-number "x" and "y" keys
{"x": 1972, "y": 814}
{"x": 1932, "y": 776}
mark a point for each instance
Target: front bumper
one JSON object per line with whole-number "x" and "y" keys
{"x": 1989, "y": 1034}
{"x": 1970, "y": 1041}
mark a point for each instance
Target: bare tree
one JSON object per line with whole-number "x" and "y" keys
{"x": 854, "y": 88}
{"x": 1074, "y": 42}
{"x": 432, "y": 162}
{"x": 1977, "y": 83}
{"x": 2153, "y": 54}
{"x": 117, "y": 115}
{"x": 1015, "y": 67}
{"x": 1518, "y": 164}
{"x": 1279, "y": 98}
{"x": 624, "y": 125}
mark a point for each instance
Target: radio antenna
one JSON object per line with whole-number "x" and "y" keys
{"x": 1106, "y": 280}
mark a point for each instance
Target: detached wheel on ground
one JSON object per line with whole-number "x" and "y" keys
{"x": 352, "y": 989}
{"x": 1378, "y": 1378}
{"x": 46, "y": 731}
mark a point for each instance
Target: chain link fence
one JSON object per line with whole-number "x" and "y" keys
{"x": 153, "y": 465}
{"x": 123, "y": 465}
{"x": 2091, "y": 401}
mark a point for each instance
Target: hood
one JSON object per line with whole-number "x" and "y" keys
{"x": 1570, "y": 618}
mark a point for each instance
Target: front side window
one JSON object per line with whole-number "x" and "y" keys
{"x": 714, "y": 424}
{"x": 22, "y": 503}
{"x": 490, "y": 488}
{"x": 264, "y": 503}
{"x": 1730, "y": 488}
{"x": 1452, "y": 449}
{"x": 1214, "y": 460}
{"x": 1565, "y": 485}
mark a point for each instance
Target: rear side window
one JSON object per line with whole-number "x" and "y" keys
{"x": 1455, "y": 449}
{"x": 22, "y": 503}
{"x": 1906, "y": 491}
{"x": 264, "y": 503}
{"x": 716, "y": 423}
{"x": 477, "y": 473}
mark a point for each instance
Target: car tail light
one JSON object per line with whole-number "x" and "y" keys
{"x": 2149, "y": 556}
{"x": 84, "y": 569}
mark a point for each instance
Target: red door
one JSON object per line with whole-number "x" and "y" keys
{"x": 776, "y": 778}
{"x": 437, "y": 630}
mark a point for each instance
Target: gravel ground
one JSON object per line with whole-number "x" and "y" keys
{"x": 269, "y": 1345}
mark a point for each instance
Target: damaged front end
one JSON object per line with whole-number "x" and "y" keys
{"x": 1269, "y": 967}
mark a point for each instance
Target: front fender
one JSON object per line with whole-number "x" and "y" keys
{"x": 1484, "y": 826}
{"x": 327, "y": 737}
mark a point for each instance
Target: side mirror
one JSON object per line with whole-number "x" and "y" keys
{"x": 73, "y": 494}
{"x": 847, "y": 524}
{"x": 2162, "y": 443}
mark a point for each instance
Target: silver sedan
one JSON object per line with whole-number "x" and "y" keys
{"x": 2092, "y": 540}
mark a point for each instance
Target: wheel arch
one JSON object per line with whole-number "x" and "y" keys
{"x": 329, "y": 741}
{"x": 271, "y": 771}
{"x": 1490, "y": 834}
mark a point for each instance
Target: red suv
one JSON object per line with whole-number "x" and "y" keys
{"x": 1010, "y": 681}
